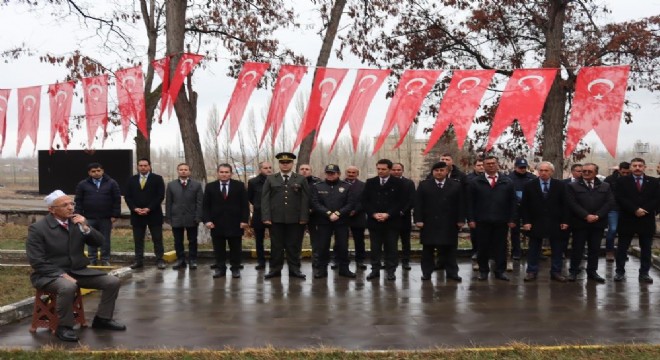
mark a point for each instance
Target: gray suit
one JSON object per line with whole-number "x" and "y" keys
{"x": 183, "y": 210}
{"x": 54, "y": 251}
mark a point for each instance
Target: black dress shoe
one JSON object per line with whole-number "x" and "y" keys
{"x": 193, "y": 265}
{"x": 272, "y": 274}
{"x": 375, "y": 274}
{"x": 160, "y": 264}
{"x": 391, "y": 276}
{"x": 455, "y": 278}
{"x": 241, "y": 267}
{"x": 297, "y": 274}
{"x": 320, "y": 274}
{"x": 561, "y": 278}
{"x": 260, "y": 267}
{"x": 66, "y": 333}
{"x": 347, "y": 273}
{"x": 361, "y": 266}
{"x": 482, "y": 276}
{"x": 426, "y": 277}
{"x": 405, "y": 265}
{"x": 334, "y": 266}
{"x": 107, "y": 324}
{"x": 219, "y": 273}
{"x": 179, "y": 265}
{"x": 572, "y": 277}
{"x": 214, "y": 266}
{"x": 137, "y": 265}
{"x": 236, "y": 274}
{"x": 646, "y": 279}
{"x": 530, "y": 277}
{"x": 619, "y": 277}
{"x": 502, "y": 277}
{"x": 596, "y": 278}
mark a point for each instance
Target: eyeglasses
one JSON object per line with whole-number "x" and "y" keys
{"x": 65, "y": 205}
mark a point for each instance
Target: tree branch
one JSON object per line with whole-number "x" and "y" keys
{"x": 215, "y": 32}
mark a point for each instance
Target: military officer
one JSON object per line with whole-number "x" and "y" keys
{"x": 285, "y": 208}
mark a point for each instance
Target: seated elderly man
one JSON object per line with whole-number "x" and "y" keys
{"x": 55, "y": 249}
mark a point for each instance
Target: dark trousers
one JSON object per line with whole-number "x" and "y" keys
{"x": 536, "y": 248}
{"x": 286, "y": 238}
{"x": 592, "y": 237}
{"x": 322, "y": 246}
{"x": 404, "y": 234}
{"x": 312, "y": 229}
{"x": 384, "y": 237}
{"x": 104, "y": 226}
{"x": 66, "y": 293}
{"x": 492, "y": 244}
{"x": 139, "y": 232}
{"x": 220, "y": 243}
{"x": 259, "y": 236}
{"x": 515, "y": 241}
{"x": 473, "y": 240}
{"x": 177, "y": 232}
{"x": 645, "y": 242}
{"x": 358, "y": 240}
{"x": 446, "y": 255}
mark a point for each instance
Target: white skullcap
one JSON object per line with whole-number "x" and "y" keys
{"x": 50, "y": 199}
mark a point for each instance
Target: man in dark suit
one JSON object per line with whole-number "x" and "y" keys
{"x": 613, "y": 217}
{"x": 491, "y": 209}
{"x": 544, "y": 214}
{"x": 637, "y": 196}
{"x": 255, "y": 186}
{"x": 226, "y": 213}
{"x": 285, "y": 208}
{"x": 590, "y": 200}
{"x": 145, "y": 193}
{"x": 357, "y": 220}
{"x": 55, "y": 249}
{"x": 383, "y": 199}
{"x": 478, "y": 169}
{"x": 98, "y": 198}
{"x": 406, "y": 214}
{"x": 439, "y": 214}
{"x": 576, "y": 175}
{"x": 183, "y": 211}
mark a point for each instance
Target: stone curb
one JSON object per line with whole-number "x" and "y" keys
{"x": 22, "y": 309}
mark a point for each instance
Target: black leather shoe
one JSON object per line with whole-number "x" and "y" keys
{"x": 260, "y": 267}
{"x": 236, "y": 274}
{"x": 502, "y": 277}
{"x": 596, "y": 277}
{"x": 572, "y": 277}
{"x": 160, "y": 264}
{"x": 297, "y": 274}
{"x": 107, "y": 324}
{"x": 455, "y": 278}
{"x": 193, "y": 265}
{"x": 105, "y": 263}
{"x": 426, "y": 277}
{"x": 334, "y": 266}
{"x": 320, "y": 274}
{"x": 137, "y": 265}
{"x": 561, "y": 278}
{"x": 530, "y": 277}
{"x": 391, "y": 276}
{"x": 482, "y": 276}
{"x": 406, "y": 265}
{"x": 375, "y": 274}
{"x": 272, "y": 274}
{"x": 619, "y": 277}
{"x": 347, "y": 273}
{"x": 179, "y": 265}
{"x": 66, "y": 333}
{"x": 361, "y": 266}
{"x": 219, "y": 273}
{"x": 646, "y": 279}
{"x": 214, "y": 266}
{"x": 241, "y": 267}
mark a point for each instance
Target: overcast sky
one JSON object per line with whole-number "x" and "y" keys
{"x": 18, "y": 26}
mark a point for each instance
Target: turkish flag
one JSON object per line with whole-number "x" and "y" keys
{"x": 130, "y": 94}
{"x": 162, "y": 68}
{"x": 288, "y": 80}
{"x": 186, "y": 63}
{"x": 413, "y": 87}
{"x": 367, "y": 83}
{"x": 597, "y": 105}
{"x": 523, "y": 99}
{"x": 326, "y": 83}
{"x": 96, "y": 105}
{"x": 248, "y": 79}
{"x": 61, "y": 97}
{"x": 460, "y": 104}
{"x": 29, "y": 102}
{"x": 4, "y": 102}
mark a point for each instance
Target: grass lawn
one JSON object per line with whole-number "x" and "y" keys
{"x": 15, "y": 284}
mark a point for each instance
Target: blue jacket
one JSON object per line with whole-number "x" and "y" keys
{"x": 101, "y": 203}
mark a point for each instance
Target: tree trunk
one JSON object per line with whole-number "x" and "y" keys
{"x": 555, "y": 105}
{"x": 185, "y": 105}
{"x": 335, "y": 16}
{"x": 142, "y": 144}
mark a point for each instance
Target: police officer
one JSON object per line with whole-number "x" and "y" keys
{"x": 332, "y": 203}
{"x": 520, "y": 177}
{"x": 285, "y": 208}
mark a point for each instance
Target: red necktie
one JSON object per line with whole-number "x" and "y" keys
{"x": 638, "y": 183}
{"x": 65, "y": 226}
{"x": 492, "y": 181}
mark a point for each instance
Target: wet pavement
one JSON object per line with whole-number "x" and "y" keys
{"x": 189, "y": 309}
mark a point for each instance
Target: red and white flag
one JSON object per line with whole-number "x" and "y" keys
{"x": 96, "y": 105}
{"x": 248, "y": 79}
{"x": 186, "y": 64}
{"x": 413, "y": 87}
{"x": 523, "y": 99}
{"x": 130, "y": 94}
{"x": 326, "y": 83}
{"x": 4, "y": 103}
{"x": 367, "y": 83}
{"x": 460, "y": 104}
{"x": 162, "y": 68}
{"x": 597, "y": 105}
{"x": 29, "y": 102}
{"x": 61, "y": 97}
{"x": 288, "y": 80}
